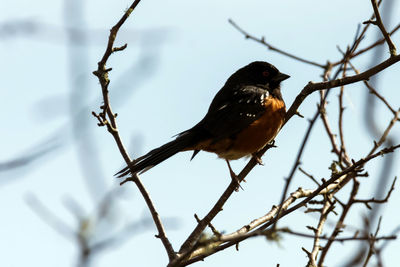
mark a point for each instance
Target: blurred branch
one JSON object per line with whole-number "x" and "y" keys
{"x": 372, "y": 241}
{"x": 49, "y": 217}
{"x": 34, "y": 153}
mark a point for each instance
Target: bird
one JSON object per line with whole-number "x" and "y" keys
{"x": 245, "y": 115}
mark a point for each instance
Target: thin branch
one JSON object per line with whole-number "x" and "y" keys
{"x": 379, "y": 23}
{"x": 328, "y": 130}
{"x": 107, "y": 118}
{"x": 191, "y": 241}
{"x": 297, "y": 161}
{"x": 270, "y": 47}
{"x": 379, "y": 42}
{"x": 373, "y": 91}
{"x": 357, "y": 41}
{"x": 343, "y": 152}
{"x": 372, "y": 241}
{"x": 354, "y": 168}
{"x": 340, "y": 223}
{"x": 379, "y": 201}
{"x": 267, "y": 220}
{"x": 385, "y": 133}
{"x": 312, "y": 87}
{"x": 318, "y": 232}
{"x": 338, "y": 239}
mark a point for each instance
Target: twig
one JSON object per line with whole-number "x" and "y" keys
{"x": 312, "y": 87}
{"x": 338, "y": 239}
{"x": 372, "y": 241}
{"x": 328, "y": 130}
{"x": 270, "y": 47}
{"x": 354, "y": 168}
{"x": 297, "y": 162}
{"x": 373, "y": 91}
{"x": 309, "y": 176}
{"x": 107, "y": 118}
{"x": 379, "y": 23}
{"x": 357, "y": 41}
{"x": 267, "y": 220}
{"x": 343, "y": 152}
{"x": 191, "y": 241}
{"x": 385, "y": 133}
{"x": 318, "y": 232}
{"x": 379, "y": 201}
{"x": 340, "y": 223}
{"x": 379, "y": 42}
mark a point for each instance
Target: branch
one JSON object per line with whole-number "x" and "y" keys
{"x": 312, "y": 87}
{"x": 191, "y": 241}
{"x": 386, "y": 132}
{"x": 342, "y": 239}
{"x": 107, "y": 118}
{"x": 379, "y": 42}
{"x": 379, "y": 23}
{"x": 228, "y": 240}
{"x": 270, "y": 47}
{"x": 328, "y": 206}
{"x": 373, "y": 91}
{"x": 379, "y": 201}
{"x": 340, "y": 223}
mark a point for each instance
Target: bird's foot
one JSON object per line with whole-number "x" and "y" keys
{"x": 234, "y": 177}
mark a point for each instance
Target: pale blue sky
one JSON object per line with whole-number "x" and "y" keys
{"x": 179, "y": 54}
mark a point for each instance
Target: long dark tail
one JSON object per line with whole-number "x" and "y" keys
{"x": 158, "y": 155}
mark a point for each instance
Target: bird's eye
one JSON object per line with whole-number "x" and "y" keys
{"x": 265, "y": 73}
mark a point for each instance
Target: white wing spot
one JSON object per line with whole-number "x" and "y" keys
{"x": 224, "y": 106}
{"x": 248, "y": 101}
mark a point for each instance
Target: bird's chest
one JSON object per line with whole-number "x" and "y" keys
{"x": 259, "y": 133}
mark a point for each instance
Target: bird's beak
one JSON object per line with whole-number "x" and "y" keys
{"x": 280, "y": 77}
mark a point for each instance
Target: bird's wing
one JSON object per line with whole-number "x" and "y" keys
{"x": 231, "y": 112}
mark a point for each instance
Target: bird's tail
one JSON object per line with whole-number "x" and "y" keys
{"x": 156, "y": 156}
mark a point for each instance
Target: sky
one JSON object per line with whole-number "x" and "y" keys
{"x": 179, "y": 55}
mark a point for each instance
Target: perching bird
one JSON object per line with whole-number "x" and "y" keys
{"x": 244, "y": 116}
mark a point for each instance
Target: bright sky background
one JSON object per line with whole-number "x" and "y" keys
{"x": 179, "y": 55}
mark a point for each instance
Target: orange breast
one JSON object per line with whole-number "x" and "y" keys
{"x": 259, "y": 133}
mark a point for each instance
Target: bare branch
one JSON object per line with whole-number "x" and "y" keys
{"x": 312, "y": 87}
{"x": 318, "y": 232}
{"x": 107, "y": 118}
{"x": 379, "y": 23}
{"x": 270, "y": 47}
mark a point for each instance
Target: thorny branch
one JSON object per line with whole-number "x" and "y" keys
{"x": 107, "y": 118}
{"x": 310, "y": 88}
{"x": 191, "y": 250}
{"x": 258, "y": 226}
{"x": 379, "y": 23}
